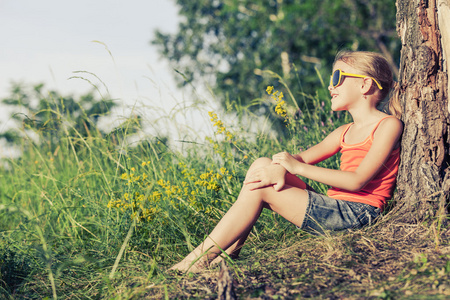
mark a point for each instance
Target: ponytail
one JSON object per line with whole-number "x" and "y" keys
{"x": 394, "y": 107}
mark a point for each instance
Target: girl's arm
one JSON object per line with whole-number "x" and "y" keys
{"x": 323, "y": 150}
{"x": 385, "y": 138}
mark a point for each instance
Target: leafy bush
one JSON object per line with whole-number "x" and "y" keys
{"x": 15, "y": 266}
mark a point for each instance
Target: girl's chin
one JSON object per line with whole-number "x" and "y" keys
{"x": 336, "y": 108}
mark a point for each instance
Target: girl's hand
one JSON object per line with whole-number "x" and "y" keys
{"x": 287, "y": 161}
{"x": 272, "y": 175}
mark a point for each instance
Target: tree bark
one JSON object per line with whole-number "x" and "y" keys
{"x": 423, "y": 180}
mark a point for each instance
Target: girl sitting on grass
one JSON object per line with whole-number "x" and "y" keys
{"x": 370, "y": 148}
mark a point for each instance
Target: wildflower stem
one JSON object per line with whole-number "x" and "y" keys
{"x": 122, "y": 249}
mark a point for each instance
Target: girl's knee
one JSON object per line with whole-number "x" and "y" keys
{"x": 261, "y": 162}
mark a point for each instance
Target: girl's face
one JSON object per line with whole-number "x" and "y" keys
{"x": 346, "y": 95}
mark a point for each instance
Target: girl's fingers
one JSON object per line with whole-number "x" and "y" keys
{"x": 256, "y": 185}
{"x": 252, "y": 178}
{"x": 251, "y": 181}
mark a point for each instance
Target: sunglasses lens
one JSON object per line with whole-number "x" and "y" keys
{"x": 335, "y": 78}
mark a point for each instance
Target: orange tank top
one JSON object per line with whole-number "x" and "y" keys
{"x": 380, "y": 189}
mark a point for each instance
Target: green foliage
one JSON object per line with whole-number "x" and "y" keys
{"x": 52, "y": 115}
{"x": 233, "y": 42}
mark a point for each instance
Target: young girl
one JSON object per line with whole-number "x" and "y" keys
{"x": 366, "y": 179}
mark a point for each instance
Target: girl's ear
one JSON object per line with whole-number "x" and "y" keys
{"x": 367, "y": 85}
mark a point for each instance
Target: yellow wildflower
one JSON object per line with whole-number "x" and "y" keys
{"x": 220, "y": 126}
{"x": 279, "y": 108}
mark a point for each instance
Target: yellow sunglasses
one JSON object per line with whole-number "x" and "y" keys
{"x": 338, "y": 77}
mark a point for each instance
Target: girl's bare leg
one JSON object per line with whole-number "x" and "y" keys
{"x": 232, "y": 230}
{"x": 234, "y": 250}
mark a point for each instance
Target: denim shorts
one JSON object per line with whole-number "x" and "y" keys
{"x": 324, "y": 213}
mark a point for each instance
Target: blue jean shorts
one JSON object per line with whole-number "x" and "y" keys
{"x": 324, "y": 213}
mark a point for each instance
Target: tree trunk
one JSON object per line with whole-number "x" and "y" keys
{"x": 424, "y": 174}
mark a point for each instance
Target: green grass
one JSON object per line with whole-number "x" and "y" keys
{"x": 91, "y": 217}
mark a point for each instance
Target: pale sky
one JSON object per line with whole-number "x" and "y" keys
{"x": 48, "y": 41}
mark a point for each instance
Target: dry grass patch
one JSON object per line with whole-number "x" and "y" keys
{"x": 386, "y": 261}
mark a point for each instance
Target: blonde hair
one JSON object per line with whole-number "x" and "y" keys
{"x": 375, "y": 65}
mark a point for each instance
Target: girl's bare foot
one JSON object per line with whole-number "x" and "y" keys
{"x": 188, "y": 265}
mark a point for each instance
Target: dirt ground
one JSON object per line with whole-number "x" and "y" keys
{"x": 387, "y": 261}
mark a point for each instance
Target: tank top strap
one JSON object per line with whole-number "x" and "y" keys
{"x": 344, "y": 132}
{"x": 378, "y": 124}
